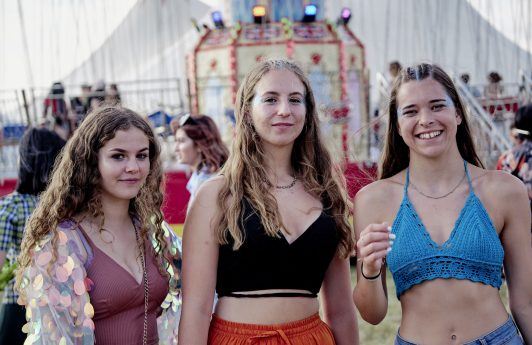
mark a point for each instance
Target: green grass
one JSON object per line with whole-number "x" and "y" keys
{"x": 383, "y": 333}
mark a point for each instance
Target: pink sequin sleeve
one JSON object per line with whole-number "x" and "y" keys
{"x": 58, "y": 308}
{"x": 168, "y": 322}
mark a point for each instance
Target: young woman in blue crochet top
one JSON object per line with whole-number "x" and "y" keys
{"x": 443, "y": 224}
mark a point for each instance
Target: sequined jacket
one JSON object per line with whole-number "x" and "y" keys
{"x": 58, "y": 307}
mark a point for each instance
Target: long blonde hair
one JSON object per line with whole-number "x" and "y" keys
{"x": 245, "y": 173}
{"x": 75, "y": 184}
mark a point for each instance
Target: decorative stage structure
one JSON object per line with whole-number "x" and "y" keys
{"x": 332, "y": 56}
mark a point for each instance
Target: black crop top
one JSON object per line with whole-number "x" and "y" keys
{"x": 264, "y": 262}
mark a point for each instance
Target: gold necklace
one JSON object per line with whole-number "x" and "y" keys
{"x": 146, "y": 286}
{"x": 442, "y": 196}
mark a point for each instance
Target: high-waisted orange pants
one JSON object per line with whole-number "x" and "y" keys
{"x": 309, "y": 331}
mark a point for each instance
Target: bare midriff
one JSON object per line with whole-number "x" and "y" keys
{"x": 450, "y": 311}
{"x": 266, "y": 310}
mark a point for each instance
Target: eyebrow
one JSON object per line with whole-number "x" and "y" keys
{"x": 277, "y": 93}
{"x": 438, "y": 100}
{"x": 431, "y": 101}
{"x": 125, "y": 151}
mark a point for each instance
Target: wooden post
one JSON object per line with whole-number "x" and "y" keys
{"x": 26, "y": 107}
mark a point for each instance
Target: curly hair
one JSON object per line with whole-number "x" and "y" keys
{"x": 205, "y": 135}
{"x": 396, "y": 154}
{"x": 75, "y": 184}
{"x": 246, "y": 176}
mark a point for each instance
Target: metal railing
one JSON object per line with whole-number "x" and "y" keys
{"x": 526, "y": 87}
{"x": 490, "y": 137}
{"x": 22, "y": 108}
{"x": 383, "y": 86}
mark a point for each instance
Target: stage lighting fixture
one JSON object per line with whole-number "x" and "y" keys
{"x": 346, "y": 15}
{"x": 259, "y": 14}
{"x": 217, "y": 20}
{"x": 310, "y": 13}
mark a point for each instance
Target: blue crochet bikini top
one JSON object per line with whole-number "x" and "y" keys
{"x": 473, "y": 250}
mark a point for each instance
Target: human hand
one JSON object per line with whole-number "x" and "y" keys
{"x": 374, "y": 243}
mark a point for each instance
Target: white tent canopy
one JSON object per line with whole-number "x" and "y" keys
{"x": 83, "y": 41}
{"x": 476, "y": 36}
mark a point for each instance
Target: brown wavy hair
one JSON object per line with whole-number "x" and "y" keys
{"x": 205, "y": 135}
{"x": 396, "y": 154}
{"x": 246, "y": 177}
{"x": 74, "y": 188}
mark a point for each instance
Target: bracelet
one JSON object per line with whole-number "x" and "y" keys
{"x": 366, "y": 277}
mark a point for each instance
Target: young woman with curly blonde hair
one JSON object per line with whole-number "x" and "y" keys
{"x": 272, "y": 231}
{"x": 97, "y": 261}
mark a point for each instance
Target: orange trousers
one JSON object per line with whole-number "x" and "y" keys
{"x": 309, "y": 331}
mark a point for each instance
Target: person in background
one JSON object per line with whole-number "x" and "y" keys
{"x": 97, "y": 97}
{"x": 454, "y": 225}
{"x": 394, "y": 68}
{"x": 97, "y": 260}
{"x": 199, "y": 145}
{"x": 80, "y": 104}
{"x": 37, "y": 152}
{"x": 272, "y": 229}
{"x": 56, "y": 112}
{"x": 518, "y": 160}
{"x": 113, "y": 95}
{"x": 464, "y": 77}
{"x": 494, "y": 89}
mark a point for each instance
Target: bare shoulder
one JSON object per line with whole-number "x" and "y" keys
{"x": 379, "y": 201}
{"x": 381, "y": 191}
{"x": 204, "y": 208}
{"x": 498, "y": 185}
{"x": 207, "y": 194}
{"x": 503, "y": 195}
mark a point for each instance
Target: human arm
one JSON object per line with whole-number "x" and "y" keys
{"x": 370, "y": 295}
{"x": 338, "y": 311}
{"x": 55, "y": 293}
{"x": 10, "y": 229}
{"x": 513, "y": 200}
{"x": 200, "y": 261}
{"x": 168, "y": 321}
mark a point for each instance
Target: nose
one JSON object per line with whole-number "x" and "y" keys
{"x": 284, "y": 108}
{"x": 132, "y": 166}
{"x": 425, "y": 117}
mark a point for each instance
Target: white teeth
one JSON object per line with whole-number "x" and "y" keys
{"x": 429, "y": 135}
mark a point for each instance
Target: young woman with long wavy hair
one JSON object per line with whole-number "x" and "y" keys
{"x": 200, "y": 146}
{"x": 97, "y": 261}
{"x": 454, "y": 225}
{"x": 272, "y": 231}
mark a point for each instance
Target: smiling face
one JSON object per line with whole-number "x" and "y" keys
{"x": 427, "y": 118}
{"x": 278, "y": 110}
{"x": 124, "y": 164}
